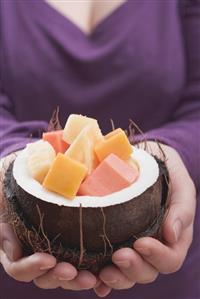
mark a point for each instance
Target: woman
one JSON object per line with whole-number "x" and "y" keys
{"x": 107, "y": 59}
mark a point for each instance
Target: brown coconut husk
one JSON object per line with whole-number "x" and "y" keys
{"x": 36, "y": 239}
{"x": 54, "y": 123}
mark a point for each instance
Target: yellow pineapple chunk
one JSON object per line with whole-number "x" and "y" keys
{"x": 76, "y": 123}
{"x": 82, "y": 149}
{"x": 65, "y": 176}
{"x": 40, "y": 155}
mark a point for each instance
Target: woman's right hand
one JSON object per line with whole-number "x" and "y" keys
{"x": 21, "y": 268}
{"x": 41, "y": 268}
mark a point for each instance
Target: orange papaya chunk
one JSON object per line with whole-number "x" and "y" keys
{"x": 55, "y": 139}
{"x": 65, "y": 176}
{"x": 115, "y": 142}
{"x": 113, "y": 174}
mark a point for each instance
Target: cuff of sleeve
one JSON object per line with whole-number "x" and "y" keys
{"x": 16, "y": 145}
{"x": 17, "y": 135}
{"x": 175, "y": 140}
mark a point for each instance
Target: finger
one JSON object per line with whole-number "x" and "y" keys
{"x": 85, "y": 280}
{"x": 64, "y": 271}
{"x": 47, "y": 282}
{"x": 115, "y": 279}
{"x": 164, "y": 259}
{"x": 9, "y": 242}
{"x": 102, "y": 290}
{"x": 51, "y": 279}
{"x": 182, "y": 206}
{"x": 133, "y": 266}
{"x": 28, "y": 268}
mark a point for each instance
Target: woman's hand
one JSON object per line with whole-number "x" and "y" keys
{"x": 21, "y": 268}
{"x": 149, "y": 257}
{"x": 41, "y": 268}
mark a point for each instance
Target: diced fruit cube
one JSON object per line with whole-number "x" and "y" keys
{"x": 113, "y": 174}
{"x": 55, "y": 139}
{"x": 76, "y": 123}
{"x": 115, "y": 142}
{"x": 40, "y": 156}
{"x": 82, "y": 149}
{"x": 65, "y": 176}
{"x": 133, "y": 163}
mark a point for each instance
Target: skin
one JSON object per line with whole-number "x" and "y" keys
{"x": 85, "y": 14}
{"x": 141, "y": 264}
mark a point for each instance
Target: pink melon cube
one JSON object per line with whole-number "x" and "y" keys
{"x": 111, "y": 175}
{"x": 55, "y": 139}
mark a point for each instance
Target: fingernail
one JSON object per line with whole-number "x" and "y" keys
{"x": 143, "y": 251}
{"x": 111, "y": 281}
{"x": 47, "y": 267}
{"x": 124, "y": 264}
{"x": 65, "y": 278}
{"x": 8, "y": 249}
{"x": 61, "y": 278}
{"x": 177, "y": 227}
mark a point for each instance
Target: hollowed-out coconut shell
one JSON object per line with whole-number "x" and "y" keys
{"x": 85, "y": 237}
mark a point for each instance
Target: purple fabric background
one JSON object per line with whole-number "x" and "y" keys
{"x": 141, "y": 62}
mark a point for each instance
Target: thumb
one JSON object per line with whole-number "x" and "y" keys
{"x": 181, "y": 211}
{"x": 9, "y": 243}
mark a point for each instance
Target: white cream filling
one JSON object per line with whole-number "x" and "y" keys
{"x": 149, "y": 172}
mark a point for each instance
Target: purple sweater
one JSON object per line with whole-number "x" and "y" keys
{"x": 141, "y": 62}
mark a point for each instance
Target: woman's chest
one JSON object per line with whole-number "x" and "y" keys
{"x": 133, "y": 62}
{"x": 85, "y": 14}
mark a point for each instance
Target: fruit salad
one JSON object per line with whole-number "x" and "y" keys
{"x": 79, "y": 160}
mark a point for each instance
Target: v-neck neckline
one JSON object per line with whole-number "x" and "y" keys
{"x": 100, "y": 25}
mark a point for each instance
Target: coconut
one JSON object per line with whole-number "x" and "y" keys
{"x": 86, "y": 231}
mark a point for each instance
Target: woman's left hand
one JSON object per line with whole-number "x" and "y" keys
{"x": 149, "y": 257}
